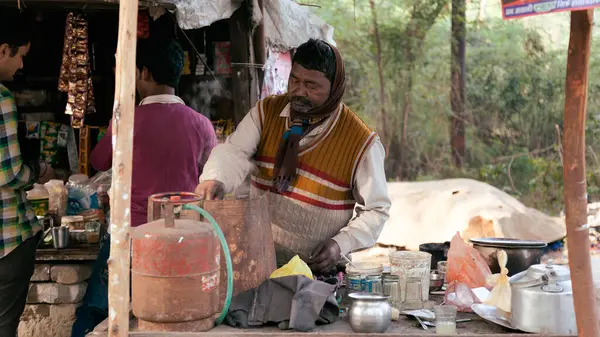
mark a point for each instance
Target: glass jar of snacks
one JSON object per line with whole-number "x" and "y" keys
{"x": 74, "y": 222}
{"x": 92, "y": 230}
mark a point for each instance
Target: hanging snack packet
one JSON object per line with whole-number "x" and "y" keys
{"x": 500, "y": 295}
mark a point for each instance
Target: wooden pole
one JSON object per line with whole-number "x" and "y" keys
{"x": 240, "y": 36}
{"x": 260, "y": 53}
{"x": 574, "y": 173}
{"x": 122, "y": 130}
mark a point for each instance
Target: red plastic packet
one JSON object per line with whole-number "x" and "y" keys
{"x": 465, "y": 265}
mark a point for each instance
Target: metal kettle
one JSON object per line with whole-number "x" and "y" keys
{"x": 542, "y": 300}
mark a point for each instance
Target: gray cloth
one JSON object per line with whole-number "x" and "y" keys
{"x": 293, "y": 302}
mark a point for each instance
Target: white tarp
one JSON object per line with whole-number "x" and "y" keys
{"x": 287, "y": 24}
{"x": 193, "y": 14}
{"x": 434, "y": 211}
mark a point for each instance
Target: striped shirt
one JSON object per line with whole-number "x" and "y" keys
{"x": 17, "y": 219}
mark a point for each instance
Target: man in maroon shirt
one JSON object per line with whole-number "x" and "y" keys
{"x": 171, "y": 143}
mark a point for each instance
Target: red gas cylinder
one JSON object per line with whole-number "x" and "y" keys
{"x": 175, "y": 275}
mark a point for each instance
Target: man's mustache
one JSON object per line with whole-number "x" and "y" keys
{"x": 301, "y": 100}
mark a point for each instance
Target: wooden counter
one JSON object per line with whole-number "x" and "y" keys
{"x": 68, "y": 254}
{"x": 405, "y": 327}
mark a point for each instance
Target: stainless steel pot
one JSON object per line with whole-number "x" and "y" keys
{"x": 521, "y": 254}
{"x": 542, "y": 301}
{"x": 370, "y": 313}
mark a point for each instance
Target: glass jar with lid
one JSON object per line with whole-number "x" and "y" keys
{"x": 92, "y": 230}
{"x": 408, "y": 264}
{"x": 374, "y": 284}
{"x": 391, "y": 288}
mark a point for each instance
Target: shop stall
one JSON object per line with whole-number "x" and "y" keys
{"x": 120, "y": 322}
{"x": 65, "y": 95}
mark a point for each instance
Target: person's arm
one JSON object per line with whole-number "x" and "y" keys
{"x": 14, "y": 173}
{"x": 229, "y": 163}
{"x": 101, "y": 156}
{"x": 210, "y": 141}
{"x": 373, "y": 203}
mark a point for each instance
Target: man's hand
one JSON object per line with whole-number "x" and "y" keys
{"x": 211, "y": 190}
{"x": 46, "y": 173}
{"x": 326, "y": 259}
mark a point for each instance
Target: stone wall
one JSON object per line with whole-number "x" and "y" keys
{"x": 55, "y": 292}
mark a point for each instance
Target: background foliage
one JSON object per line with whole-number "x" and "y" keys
{"x": 515, "y": 92}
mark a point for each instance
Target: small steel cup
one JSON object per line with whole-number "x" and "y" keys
{"x": 60, "y": 237}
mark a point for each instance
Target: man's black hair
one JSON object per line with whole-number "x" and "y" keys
{"x": 16, "y": 29}
{"x": 316, "y": 55}
{"x": 163, "y": 58}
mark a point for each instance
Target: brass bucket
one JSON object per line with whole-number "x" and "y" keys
{"x": 247, "y": 228}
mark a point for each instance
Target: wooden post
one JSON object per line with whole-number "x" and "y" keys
{"x": 260, "y": 54}
{"x": 239, "y": 34}
{"x": 574, "y": 173}
{"x": 122, "y": 130}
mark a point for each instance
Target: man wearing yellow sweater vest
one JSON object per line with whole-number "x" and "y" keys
{"x": 316, "y": 160}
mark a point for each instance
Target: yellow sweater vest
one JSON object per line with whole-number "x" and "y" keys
{"x": 320, "y": 201}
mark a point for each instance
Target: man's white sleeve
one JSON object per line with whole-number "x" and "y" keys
{"x": 230, "y": 162}
{"x": 373, "y": 204}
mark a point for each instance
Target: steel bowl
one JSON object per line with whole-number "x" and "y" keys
{"x": 436, "y": 281}
{"x": 370, "y": 313}
{"x": 521, "y": 254}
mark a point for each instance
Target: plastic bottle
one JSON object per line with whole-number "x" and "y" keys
{"x": 39, "y": 199}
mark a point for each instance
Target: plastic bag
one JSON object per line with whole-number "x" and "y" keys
{"x": 295, "y": 267}
{"x": 58, "y": 197}
{"x": 103, "y": 180}
{"x": 461, "y": 296}
{"x": 83, "y": 194}
{"x": 465, "y": 265}
{"x": 500, "y": 295}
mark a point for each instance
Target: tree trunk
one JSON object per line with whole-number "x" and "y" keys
{"x": 382, "y": 121}
{"x": 457, "y": 78}
{"x": 422, "y": 19}
{"x": 578, "y": 239}
{"x": 407, "y": 107}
